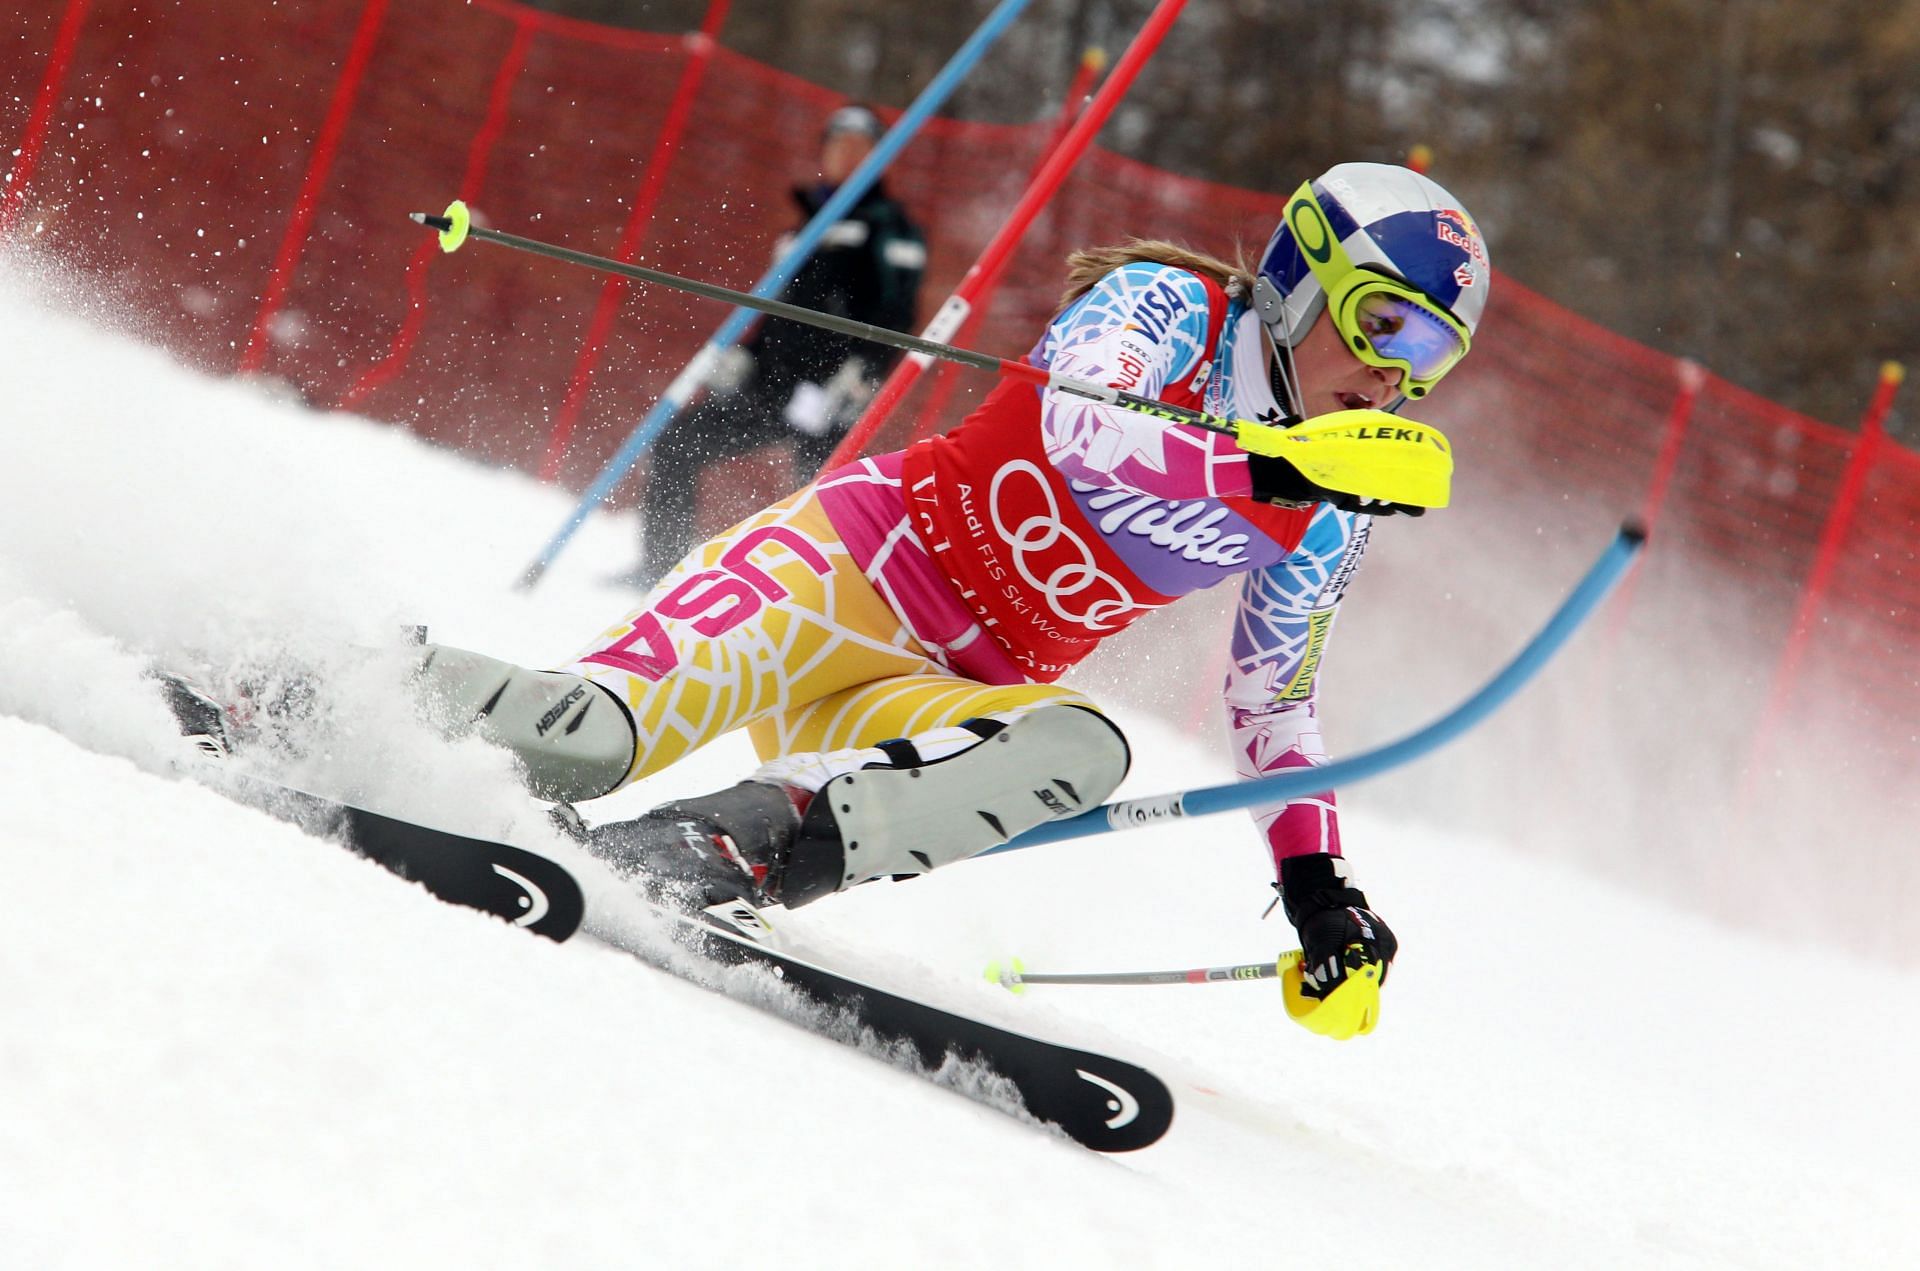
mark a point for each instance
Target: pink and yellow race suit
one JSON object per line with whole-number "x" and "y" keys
{"x": 967, "y": 573}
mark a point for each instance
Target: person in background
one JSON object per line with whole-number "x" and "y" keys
{"x": 786, "y": 381}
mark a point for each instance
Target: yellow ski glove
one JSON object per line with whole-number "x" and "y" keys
{"x": 1357, "y": 460}
{"x": 1333, "y": 986}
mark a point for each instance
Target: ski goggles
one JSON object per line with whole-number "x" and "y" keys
{"x": 1383, "y": 321}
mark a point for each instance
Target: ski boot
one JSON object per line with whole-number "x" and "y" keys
{"x": 814, "y": 824}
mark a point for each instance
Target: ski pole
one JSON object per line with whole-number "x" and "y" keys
{"x": 1297, "y": 783}
{"x": 456, "y": 226}
{"x": 1359, "y": 460}
{"x": 1014, "y": 977}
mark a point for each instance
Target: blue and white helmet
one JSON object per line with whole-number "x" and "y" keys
{"x": 1387, "y": 218}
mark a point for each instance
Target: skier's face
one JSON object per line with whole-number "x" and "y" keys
{"x": 1332, "y": 378}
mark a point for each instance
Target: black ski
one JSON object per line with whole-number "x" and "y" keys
{"x": 1101, "y": 1102}
{"x": 1104, "y": 1103}
{"x": 525, "y": 888}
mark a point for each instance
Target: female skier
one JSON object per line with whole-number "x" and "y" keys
{"x": 892, "y": 633}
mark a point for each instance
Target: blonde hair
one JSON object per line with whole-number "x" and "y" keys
{"x": 1090, "y": 264}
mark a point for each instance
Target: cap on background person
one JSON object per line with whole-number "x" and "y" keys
{"x": 856, "y": 119}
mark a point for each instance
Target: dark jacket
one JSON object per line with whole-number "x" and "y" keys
{"x": 868, "y": 268}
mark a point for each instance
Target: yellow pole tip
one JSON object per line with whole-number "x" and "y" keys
{"x": 1893, "y": 372}
{"x": 459, "y": 222}
{"x": 1094, "y": 58}
{"x": 1420, "y": 157}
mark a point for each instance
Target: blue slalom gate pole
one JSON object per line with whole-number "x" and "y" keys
{"x": 688, "y": 382}
{"x": 1574, "y": 610}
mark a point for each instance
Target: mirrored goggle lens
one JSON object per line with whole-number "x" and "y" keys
{"x": 1405, "y": 330}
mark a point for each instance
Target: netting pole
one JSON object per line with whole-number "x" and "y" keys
{"x": 700, "y": 46}
{"x": 1846, "y": 503}
{"x": 359, "y": 54}
{"x": 947, "y": 378}
{"x": 993, "y": 258}
{"x": 1093, "y": 60}
{"x": 1692, "y": 377}
{"x": 13, "y": 199}
{"x": 688, "y": 382}
{"x": 492, "y": 126}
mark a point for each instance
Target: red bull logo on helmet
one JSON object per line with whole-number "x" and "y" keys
{"x": 1455, "y": 227}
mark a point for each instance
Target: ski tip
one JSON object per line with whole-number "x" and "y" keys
{"x": 1007, "y": 976}
{"x": 1633, "y": 534}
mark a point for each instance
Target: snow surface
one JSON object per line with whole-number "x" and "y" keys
{"x": 224, "y": 1043}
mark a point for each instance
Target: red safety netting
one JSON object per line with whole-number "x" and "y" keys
{"x": 173, "y": 142}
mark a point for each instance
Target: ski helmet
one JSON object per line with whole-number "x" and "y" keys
{"x": 1403, "y": 265}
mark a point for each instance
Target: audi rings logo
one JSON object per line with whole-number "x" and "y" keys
{"x": 1050, "y": 558}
